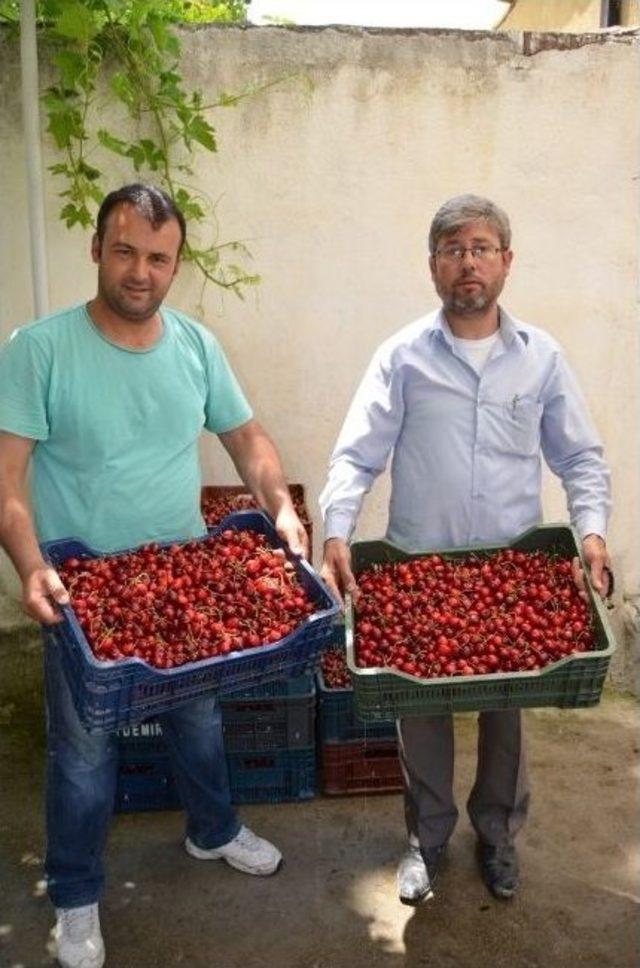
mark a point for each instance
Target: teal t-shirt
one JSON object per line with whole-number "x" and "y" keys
{"x": 116, "y": 460}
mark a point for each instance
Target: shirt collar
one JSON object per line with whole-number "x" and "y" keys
{"x": 512, "y": 330}
{"x": 513, "y": 334}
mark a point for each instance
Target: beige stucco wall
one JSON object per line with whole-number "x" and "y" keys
{"x": 332, "y": 178}
{"x": 565, "y": 15}
{"x": 569, "y": 15}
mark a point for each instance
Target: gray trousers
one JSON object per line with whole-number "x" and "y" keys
{"x": 499, "y": 800}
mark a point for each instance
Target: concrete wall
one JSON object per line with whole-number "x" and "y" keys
{"x": 332, "y": 178}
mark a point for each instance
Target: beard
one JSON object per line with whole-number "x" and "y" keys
{"x": 468, "y": 303}
{"x": 132, "y": 307}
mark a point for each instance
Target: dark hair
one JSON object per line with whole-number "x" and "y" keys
{"x": 151, "y": 202}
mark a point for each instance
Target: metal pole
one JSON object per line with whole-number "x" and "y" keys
{"x": 31, "y": 123}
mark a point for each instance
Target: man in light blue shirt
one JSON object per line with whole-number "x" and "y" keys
{"x": 467, "y": 400}
{"x": 107, "y": 401}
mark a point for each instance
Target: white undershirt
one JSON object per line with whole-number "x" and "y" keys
{"x": 476, "y": 351}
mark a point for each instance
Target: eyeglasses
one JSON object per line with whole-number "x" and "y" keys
{"x": 456, "y": 253}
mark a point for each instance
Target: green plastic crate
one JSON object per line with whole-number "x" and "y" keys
{"x": 574, "y": 681}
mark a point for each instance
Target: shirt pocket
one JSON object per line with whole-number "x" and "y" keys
{"x": 513, "y": 426}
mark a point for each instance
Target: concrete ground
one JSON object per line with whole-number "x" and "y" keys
{"x": 334, "y": 903}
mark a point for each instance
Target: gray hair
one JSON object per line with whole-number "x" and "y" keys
{"x": 461, "y": 210}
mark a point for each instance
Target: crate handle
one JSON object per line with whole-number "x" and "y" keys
{"x": 376, "y": 754}
{"x": 258, "y": 762}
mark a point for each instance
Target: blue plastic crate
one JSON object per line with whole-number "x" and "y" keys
{"x": 274, "y": 776}
{"x": 338, "y": 721}
{"x": 253, "y": 720}
{"x": 108, "y": 695}
{"x": 145, "y": 782}
{"x": 293, "y": 688}
{"x": 141, "y": 739}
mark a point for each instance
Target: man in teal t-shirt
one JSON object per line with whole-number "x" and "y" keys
{"x": 117, "y": 426}
{"x": 105, "y": 404}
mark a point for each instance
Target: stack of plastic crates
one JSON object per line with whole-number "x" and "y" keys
{"x": 355, "y": 757}
{"x": 269, "y": 743}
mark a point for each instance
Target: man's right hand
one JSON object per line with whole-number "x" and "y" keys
{"x": 336, "y": 569}
{"x": 41, "y": 590}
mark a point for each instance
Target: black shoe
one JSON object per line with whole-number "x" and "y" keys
{"x": 499, "y": 867}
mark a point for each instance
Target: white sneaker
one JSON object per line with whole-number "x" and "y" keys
{"x": 413, "y": 878}
{"x": 246, "y": 852}
{"x": 78, "y": 939}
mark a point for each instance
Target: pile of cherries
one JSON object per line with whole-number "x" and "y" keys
{"x": 512, "y": 611}
{"x": 215, "y": 507}
{"x": 185, "y": 603}
{"x": 334, "y": 670}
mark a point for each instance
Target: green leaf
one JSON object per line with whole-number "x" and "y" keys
{"x": 155, "y": 156}
{"x": 56, "y": 100}
{"x": 108, "y": 140}
{"x": 95, "y": 192}
{"x": 146, "y": 152}
{"x": 88, "y": 171}
{"x": 76, "y": 22}
{"x": 189, "y": 206}
{"x": 139, "y": 12}
{"x": 72, "y": 67}
{"x": 136, "y": 153}
{"x": 169, "y": 86}
{"x": 173, "y": 46}
{"x": 76, "y": 215}
{"x": 65, "y": 127}
{"x": 122, "y": 87}
{"x": 201, "y": 131}
{"x": 194, "y": 211}
{"x": 163, "y": 38}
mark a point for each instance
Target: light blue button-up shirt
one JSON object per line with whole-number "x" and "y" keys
{"x": 467, "y": 448}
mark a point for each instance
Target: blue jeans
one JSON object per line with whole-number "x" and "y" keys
{"x": 81, "y": 785}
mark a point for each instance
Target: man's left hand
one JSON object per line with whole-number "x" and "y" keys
{"x": 597, "y": 558}
{"x": 291, "y": 529}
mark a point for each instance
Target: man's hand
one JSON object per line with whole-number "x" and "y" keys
{"x": 41, "y": 590}
{"x": 256, "y": 461}
{"x": 291, "y": 529}
{"x": 336, "y": 569}
{"x": 597, "y": 558}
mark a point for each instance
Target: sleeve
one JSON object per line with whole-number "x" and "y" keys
{"x": 573, "y": 451}
{"x": 368, "y": 435}
{"x": 226, "y": 406}
{"x": 24, "y": 387}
